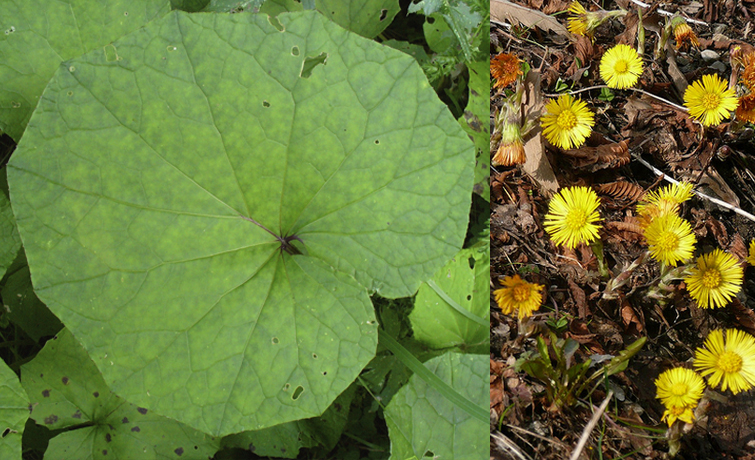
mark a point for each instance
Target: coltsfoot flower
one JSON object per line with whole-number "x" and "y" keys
{"x": 730, "y": 362}
{"x": 679, "y": 389}
{"x": 715, "y": 280}
{"x": 751, "y": 253}
{"x": 567, "y": 122}
{"x": 746, "y": 108}
{"x": 572, "y": 216}
{"x": 505, "y": 69}
{"x": 517, "y": 294}
{"x": 683, "y": 33}
{"x": 510, "y": 151}
{"x": 621, "y": 67}
{"x": 710, "y": 100}
{"x": 670, "y": 239}
{"x": 665, "y": 200}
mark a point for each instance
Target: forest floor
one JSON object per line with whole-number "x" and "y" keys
{"x": 633, "y": 133}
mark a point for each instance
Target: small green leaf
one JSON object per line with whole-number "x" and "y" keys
{"x": 14, "y": 411}
{"x": 475, "y": 123}
{"x": 421, "y": 420}
{"x": 10, "y": 242}
{"x": 67, "y": 391}
{"x": 452, "y": 309}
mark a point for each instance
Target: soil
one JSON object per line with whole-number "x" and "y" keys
{"x": 579, "y": 302}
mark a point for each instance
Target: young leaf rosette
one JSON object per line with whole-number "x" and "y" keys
{"x": 209, "y": 213}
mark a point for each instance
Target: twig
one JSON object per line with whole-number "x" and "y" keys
{"x": 590, "y": 426}
{"x": 637, "y": 90}
{"x": 721, "y": 203}
{"x": 506, "y": 445}
{"x": 667, "y": 13}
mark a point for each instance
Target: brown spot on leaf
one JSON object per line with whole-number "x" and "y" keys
{"x": 46, "y": 393}
{"x": 64, "y": 380}
{"x": 104, "y": 452}
{"x": 135, "y": 429}
{"x": 141, "y": 410}
{"x": 76, "y": 414}
{"x": 108, "y": 438}
{"x": 51, "y": 419}
{"x": 96, "y": 394}
{"x": 179, "y": 451}
{"x": 125, "y": 420}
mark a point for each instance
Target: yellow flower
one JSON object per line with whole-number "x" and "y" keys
{"x": 732, "y": 362}
{"x": 571, "y": 216}
{"x": 517, "y": 294}
{"x": 751, "y": 255}
{"x": 715, "y": 280}
{"x": 621, "y": 67}
{"x": 746, "y": 108}
{"x": 577, "y": 24}
{"x": 504, "y": 68}
{"x": 511, "y": 150}
{"x": 567, "y": 122}
{"x": 674, "y": 413}
{"x": 670, "y": 239}
{"x": 665, "y": 200}
{"x": 683, "y": 33}
{"x": 710, "y": 101}
{"x": 679, "y": 389}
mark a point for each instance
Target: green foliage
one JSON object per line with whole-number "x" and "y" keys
{"x": 67, "y": 391}
{"x": 566, "y": 380}
{"x": 475, "y": 123}
{"x": 10, "y": 242}
{"x": 14, "y": 410}
{"x": 187, "y": 230}
{"x": 452, "y": 308}
{"x": 33, "y": 46}
{"x": 422, "y": 424}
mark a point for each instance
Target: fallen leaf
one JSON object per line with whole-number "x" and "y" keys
{"x": 537, "y": 164}
{"x": 505, "y": 11}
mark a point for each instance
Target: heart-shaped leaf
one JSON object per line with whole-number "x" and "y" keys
{"x": 208, "y": 214}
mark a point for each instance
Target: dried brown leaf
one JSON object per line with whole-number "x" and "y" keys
{"x": 505, "y": 11}
{"x": 621, "y": 190}
{"x": 537, "y": 164}
{"x": 613, "y": 155}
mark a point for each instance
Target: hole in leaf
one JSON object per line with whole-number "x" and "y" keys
{"x": 430, "y": 19}
{"x": 311, "y": 62}
{"x": 383, "y": 14}
{"x": 297, "y": 392}
{"x": 275, "y": 340}
{"x": 324, "y": 372}
{"x": 6, "y": 432}
{"x": 377, "y": 141}
{"x": 276, "y": 23}
{"x": 125, "y": 13}
{"x": 265, "y": 104}
{"x": 286, "y": 387}
{"x": 469, "y": 297}
{"x": 471, "y": 262}
{"x": 314, "y": 355}
{"x": 428, "y": 454}
{"x": 295, "y": 51}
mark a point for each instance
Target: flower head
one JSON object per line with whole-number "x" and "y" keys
{"x": 517, "y": 294}
{"x": 665, "y": 200}
{"x": 715, "y": 280}
{"x": 511, "y": 150}
{"x": 751, "y": 253}
{"x": 578, "y": 22}
{"x": 679, "y": 389}
{"x": 746, "y": 108}
{"x": 683, "y": 33}
{"x": 504, "y": 68}
{"x": 747, "y": 60}
{"x": 670, "y": 239}
{"x": 731, "y": 362}
{"x": 572, "y": 216}
{"x": 710, "y": 100}
{"x": 620, "y": 67}
{"x": 567, "y": 122}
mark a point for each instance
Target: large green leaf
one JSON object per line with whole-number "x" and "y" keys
{"x": 365, "y": 17}
{"x": 140, "y": 183}
{"x": 10, "y": 242}
{"x": 452, "y": 309}
{"x": 423, "y": 423}
{"x": 67, "y": 391}
{"x": 14, "y": 411}
{"x": 37, "y": 35}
